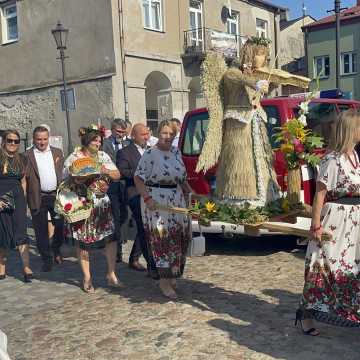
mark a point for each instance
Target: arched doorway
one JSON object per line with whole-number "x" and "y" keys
{"x": 158, "y": 99}
{"x": 196, "y": 96}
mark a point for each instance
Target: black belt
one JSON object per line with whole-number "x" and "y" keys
{"x": 355, "y": 200}
{"x": 48, "y": 192}
{"x": 162, "y": 186}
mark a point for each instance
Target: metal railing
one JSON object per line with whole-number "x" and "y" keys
{"x": 201, "y": 40}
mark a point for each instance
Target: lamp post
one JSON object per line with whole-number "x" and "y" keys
{"x": 60, "y": 35}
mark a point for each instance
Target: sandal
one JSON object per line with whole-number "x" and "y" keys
{"x": 114, "y": 283}
{"x": 88, "y": 287}
{"x": 300, "y": 316}
{"x": 169, "y": 293}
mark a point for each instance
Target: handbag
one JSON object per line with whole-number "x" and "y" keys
{"x": 8, "y": 202}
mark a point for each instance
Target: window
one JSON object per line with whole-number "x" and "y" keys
{"x": 322, "y": 66}
{"x": 232, "y": 24}
{"x": 348, "y": 63}
{"x": 9, "y": 23}
{"x": 321, "y": 119}
{"x": 70, "y": 99}
{"x": 273, "y": 122}
{"x": 261, "y": 28}
{"x": 152, "y": 14}
{"x": 195, "y": 134}
{"x": 196, "y": 35}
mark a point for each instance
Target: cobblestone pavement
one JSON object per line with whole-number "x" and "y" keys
{"x": 237, "y": 303}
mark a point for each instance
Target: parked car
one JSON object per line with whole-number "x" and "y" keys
{"x": 321, "y": 117}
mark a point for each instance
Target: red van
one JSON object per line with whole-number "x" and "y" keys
{"x": 278, "y": 110}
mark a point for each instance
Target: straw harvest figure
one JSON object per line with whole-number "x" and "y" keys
{"x": 237, "y": 136}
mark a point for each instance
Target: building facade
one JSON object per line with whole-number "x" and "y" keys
{"x": 135, "y": 59}
{"x": 30, "y": 74}
{"x": 166, "y": 40}
{"x": 321, "y": 49}
{"x": 292, "y": 55}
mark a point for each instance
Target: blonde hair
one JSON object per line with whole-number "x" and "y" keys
{"x": 346, "y": 130}
{"x": 168, "y": 123}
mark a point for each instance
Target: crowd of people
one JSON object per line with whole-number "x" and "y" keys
{"x": 33, "y": 180}
{"x": 138, "y": 175}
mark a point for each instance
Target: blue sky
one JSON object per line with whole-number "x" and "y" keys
{"x": 315, "y": 8}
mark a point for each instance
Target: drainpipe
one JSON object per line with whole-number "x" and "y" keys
{"x": 182, "y": 64}
{"x": 276, "y": 32}
{"x": 123, "y": 58}
{"x": 276, "y": 43}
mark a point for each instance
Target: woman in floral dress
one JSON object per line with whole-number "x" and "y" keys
{"x": 98, "y": 230}
{"x": 161, "y": 178}
{"x": 332, "y": 269}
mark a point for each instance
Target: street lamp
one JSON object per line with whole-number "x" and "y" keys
{"x": 60, "y": 35}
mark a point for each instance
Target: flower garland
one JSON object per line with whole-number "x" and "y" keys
{"x": 207, "y": 211}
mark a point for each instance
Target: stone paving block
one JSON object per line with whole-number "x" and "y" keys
{"x": 231, "y": 306}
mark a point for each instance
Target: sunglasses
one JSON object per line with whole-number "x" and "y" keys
{"x": 13, "y": 141}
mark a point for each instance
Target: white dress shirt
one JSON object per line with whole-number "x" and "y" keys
{"x": 152, "y": 141}
{"x": 46, "y": 168}
{"x": 140, "y": 149}
{"x": 176, "y": 141}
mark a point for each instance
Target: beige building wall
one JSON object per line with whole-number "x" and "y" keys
{"x": 292, "y": 44}
{"x": 153, "y": 61}
{"x": 156, "y": 74}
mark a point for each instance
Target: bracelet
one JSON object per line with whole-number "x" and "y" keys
{"x": 314, "y": 229}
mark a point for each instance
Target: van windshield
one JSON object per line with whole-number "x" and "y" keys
{"x": 195, "y": 134}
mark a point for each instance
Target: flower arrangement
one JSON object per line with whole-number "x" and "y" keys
{"x": 71, "y": 206}
{"x": 297, "y": 141}
{"x": 92, "y": 127}
{"x": 207, "y": 211}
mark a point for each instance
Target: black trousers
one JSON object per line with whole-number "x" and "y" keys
{"x": 140, "y": 245}
{"x": 117, "y": 196}
{"x": 40, "y": 223}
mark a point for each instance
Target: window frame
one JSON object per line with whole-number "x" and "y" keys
{"x": 351, "y": 63}
{"x": 4, "y": 23}
{"x": 198, "y": 39}
{"x": 323, "y": 57}
{"x": 261, "y": 29}
{"x": 151, "y": 20}
{"x": 234, "y": 19}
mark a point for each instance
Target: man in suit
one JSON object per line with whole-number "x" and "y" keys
{"x": 127, "y": 160}
{"x": 117, "y": 191}
{"x": 43, "y": 175}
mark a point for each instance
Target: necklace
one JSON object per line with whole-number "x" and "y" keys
{"x": 356, "y": 165}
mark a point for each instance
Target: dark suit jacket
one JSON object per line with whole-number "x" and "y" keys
{"x": 33, "y": 188}
{"x": 108, "y": 147}
{"x": 127, "y": 160}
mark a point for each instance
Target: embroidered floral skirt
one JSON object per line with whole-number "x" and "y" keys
{"x": 332, "y": 269}
{"x": 167, "y": 234}
{"x": 97, "y": 230}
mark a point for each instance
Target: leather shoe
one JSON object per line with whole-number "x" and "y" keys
{"x": 135, "y": 265}
{"x": 46, "y": 267}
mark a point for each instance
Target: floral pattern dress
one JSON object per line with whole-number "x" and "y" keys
{"x": 99, "y": 227}
{"x": 167, "y": 233}
{"x": 332, "y": 278}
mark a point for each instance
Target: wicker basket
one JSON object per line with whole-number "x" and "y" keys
{"x": 77, "y": 216}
